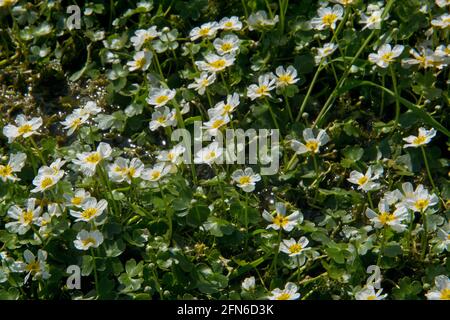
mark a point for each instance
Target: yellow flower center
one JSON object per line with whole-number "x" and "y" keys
{"x": 226, "y": 46}
{"x": 76, "y": 123}
{"x": 284, "y": 296}
{"x": 228, "y": 24}
{"x": 419, "y": 140}
{"x": 280, "y": 220}
{"x": 386, "y": 217}
{"x": 211, "y": 155}
{"x": 387, "y": 57}
{"x": 445, "y": 294}
{"x": 140, "y": 63}
{"x": 226, "y": 108}
{"x": 217, "y": 123}
{"x": 155, "y": 175}
{"x": 244, "y": 180}
{"x": 93, "y": 158}
{"x": 170, "y": 156}
{"x": 312, "y": 146}
{"x": 371, "y": 297}
{"x": 33, "y": 267}
{"x": 5, "y": 171}
{"x": 27, "y": 217}
{"x": 161, "y": 119}
{"x": 131, "y": 172}
{"x": 26, "y": 128}
{"x": 446, "y": 20}
{"x": 88, "y": 241}
{"x": 161, "y": 99}
{"x": 46, "y": 182}
{"x": 422, "y": 204}
{"x": 295, "y": 248}
{"x": 218, "y": 64}
{"x": 204, "y": 31}
{"x": 329, "y": 19}
{"x": 285, "y": 78}
{"x": 89, "y": 213}
{"x": 262, "y": 90}
{"x": 205, "y": 82}
{"x": 362, "y": 180}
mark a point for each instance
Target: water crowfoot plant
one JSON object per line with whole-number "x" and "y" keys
{"x": 262, "y": 149}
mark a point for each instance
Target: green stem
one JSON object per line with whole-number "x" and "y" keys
{"x": 38, "y": 151}
{"x": 369, "y": 197}
{"x": 288, "y": 106}
{"x": 308, "y": 93}
{"x": 425, "y": 234}
{"x": 383, "y": 242}
{"x": 425, "y": 159}
{"x": 95, "y": 271}
{"x": 397, "y": 101}
{"x": 169, "y": 213}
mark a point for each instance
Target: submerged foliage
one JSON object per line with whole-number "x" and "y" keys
{"x": 90, "y": 177}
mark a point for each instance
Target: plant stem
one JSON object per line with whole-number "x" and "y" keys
{"x": 397, "y": 101}
{"x": 383, "y": 242}
{"x": 308, "y": 93}
{"x": 288, "y": 107}
{"x": 425, "y": 233}
{"x": 38, "y": 151}
{"x": 425, "y": 159}
{"x": 169, "y": 213}
{"x": 369, "y": 197}
{"x": 95, "y": 271}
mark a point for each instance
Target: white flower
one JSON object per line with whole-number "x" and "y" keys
{"x": 286, "y": 76}
{"x": 421, "y": 199}
{"x": 73, "y": 122}
{"x": 125, "y": 170}
{"x": 443, "y": 51}
{"x": 266, "y": 83}
{"x": 87, "y": 161}
{"x": 441, "y": 291}
{"x": 442, "y": 21}
{"x": 260, "y": 21}
{"x": 90, "y": 109}
{"x": 385, "y": 218}
{"x": 231, "y": 23}
{"x": 159, "y": 97}
{"x": 156, "y": 173}
{"x": 373, "y": 21}
{"x": 15, "y": 164}
{"x": 424, "y": 137}
{"x": 86, "y": 239}
{"x": 442, "y": 3}
{"x": 173, "y": 155}
{"x": 141, "y": 61}
{"x": 280, "y": 220}
{"x": 312, "y": 143}
{"x": 201, "y": 83}
{"x": 344, "y": 2}
{"x": 248, "y": 284}
{"x": 366, "y": 181}
{"x": 55, "y": 166}
{"x": 213, "y": 125}
{"x": 209, "y": 155}
{"x": 227, "y": 45}
{"x": 162, "y": 118}
{"x": 91, "y": 209}
{"x": 47, "y": 177}
{"x": 142, "y": 37}
{"x": 23, "y": 128}
{"x": 326, "y": 51}
{"x": 246, "y": 179}
{"x": 288, "y": 293}
{"x": 36, "y": 267}
{"x": 425, "y": 59}
{"x": 215, "y": 63}
{"x": 443, "y": 238}
{"x": 24, "y": 218}
{"x": 206, "y": 30}
{"x": 327, "y": 17}
{"x": 224, "y": 108}
{"x": 386, "y": 55}
{"x": 368, "y": 293}
{"x": 77, "y": 198}
{"x": 295, "y": 248}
